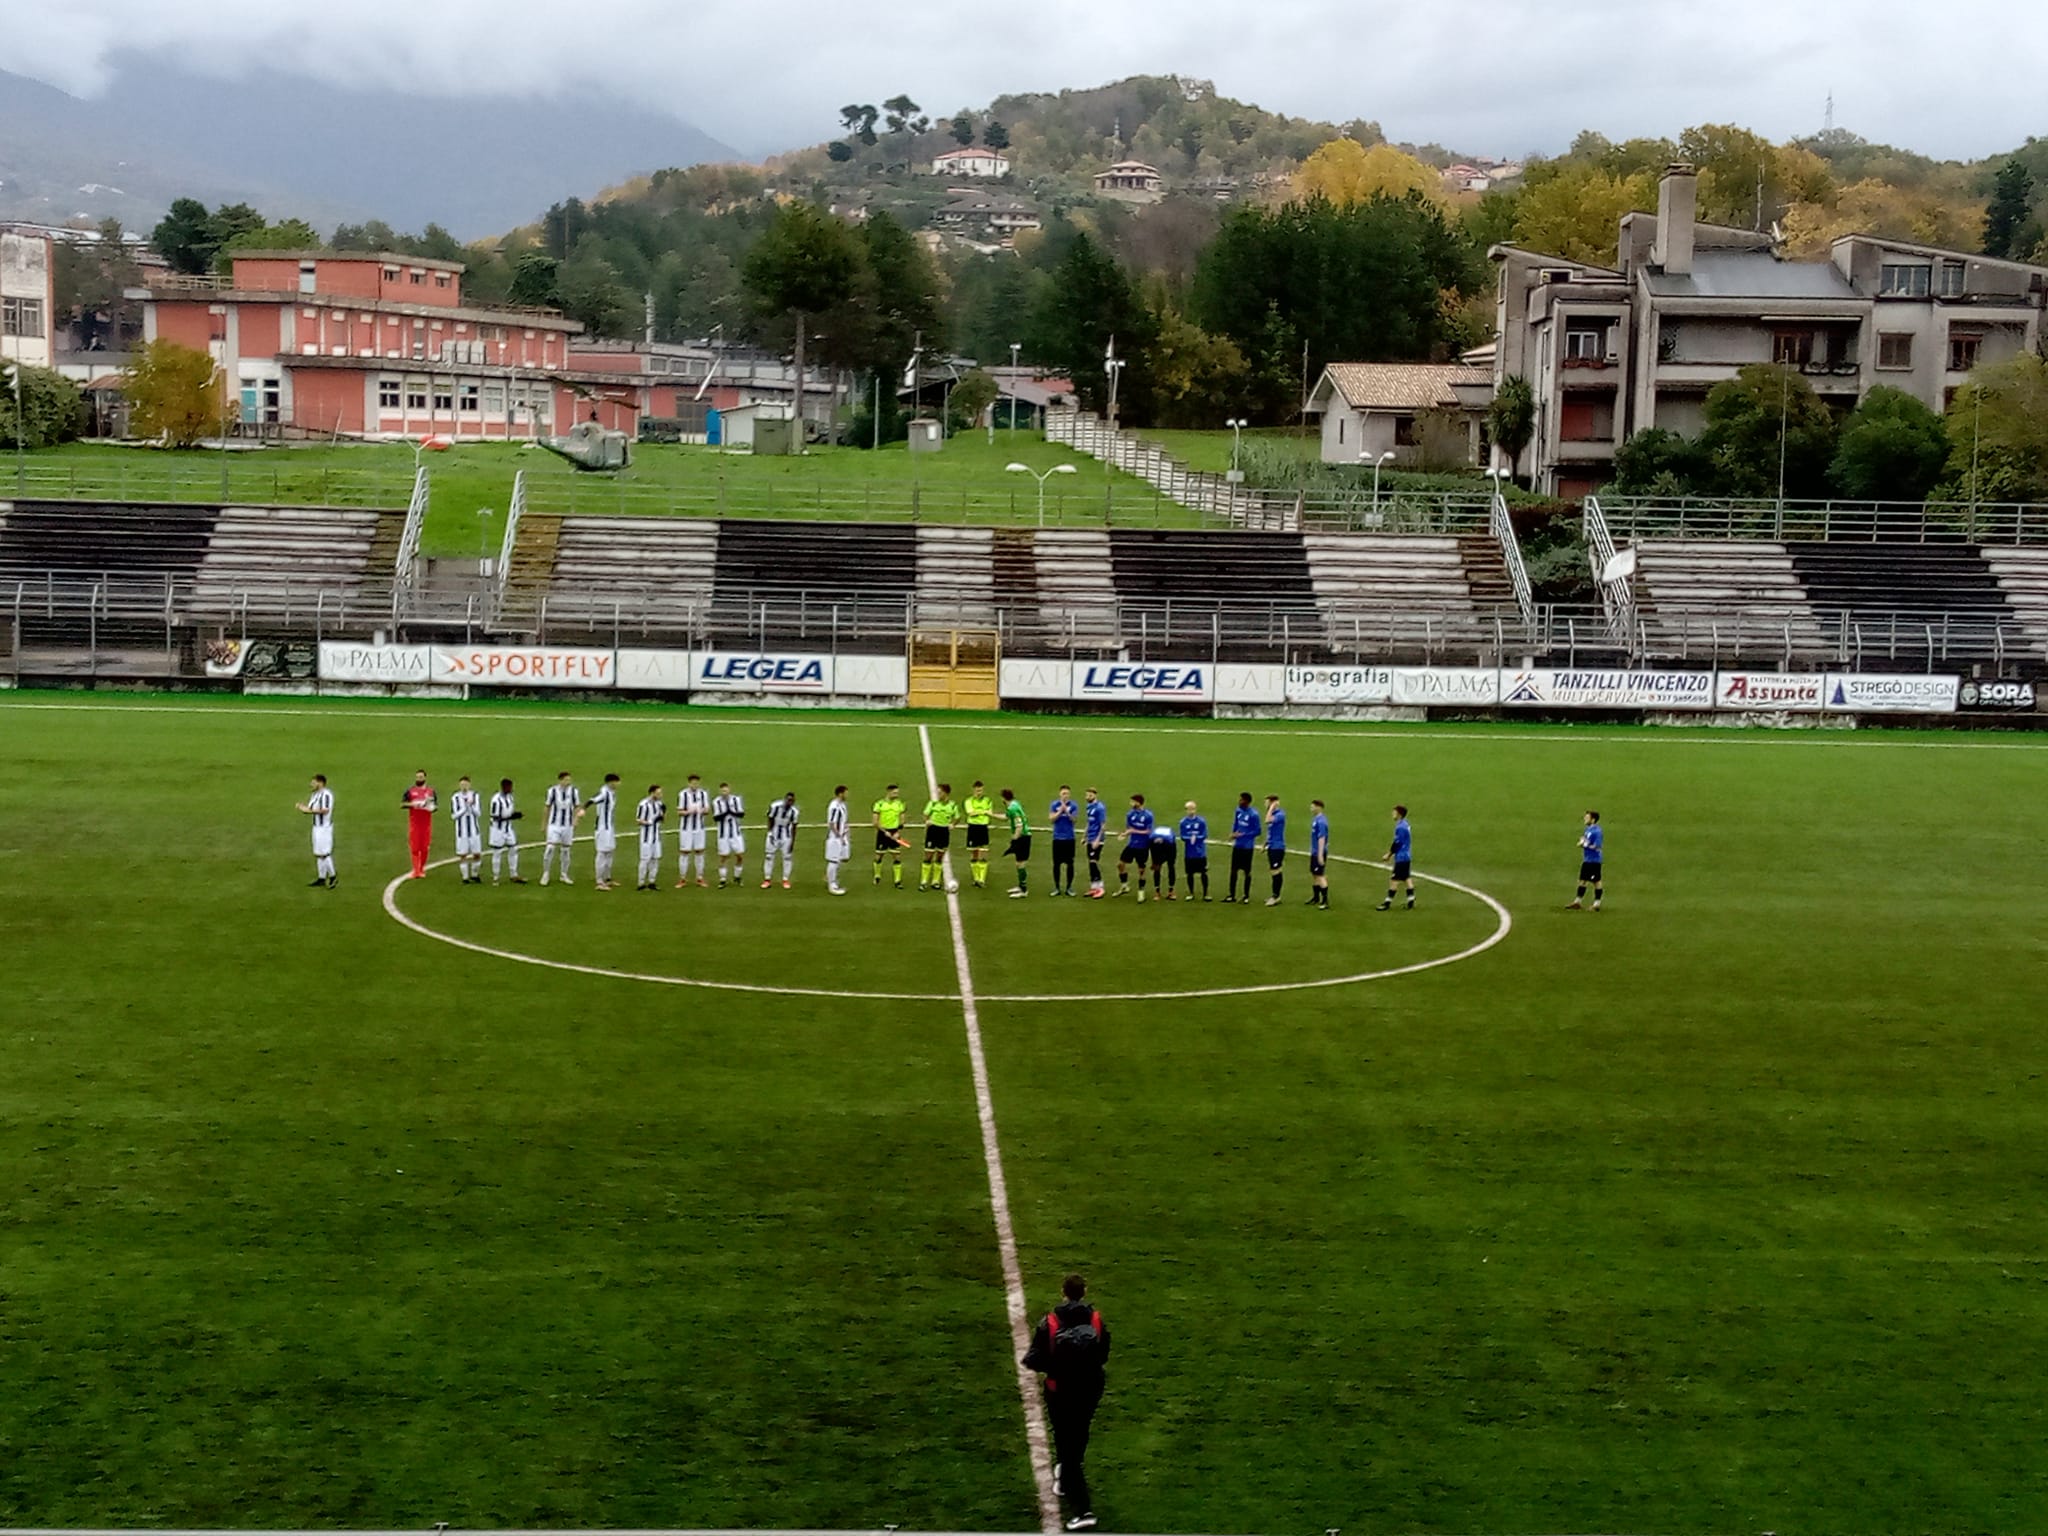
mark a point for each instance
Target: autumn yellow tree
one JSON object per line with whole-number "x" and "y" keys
{"x": 1872, "y": 207}
{"x": 1344, "y": 172}
{"x": 1575, "y": 211}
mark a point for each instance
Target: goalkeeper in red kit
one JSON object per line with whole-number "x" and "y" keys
{"x": 420, "y": 804}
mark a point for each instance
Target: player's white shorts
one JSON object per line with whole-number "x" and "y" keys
{"x": 839, "y": 849}
{"x": 650, "y": 848}
{"x": 780, "y": 842}
{"x": 690, "y": 842}
{"x": 605, "y": 842}
{"x": 323, "y": 842}
{"x": 469, "y": 844}
{"x": 735, "y": 844}
{"x": 506, "y": 836}
{"x": 563, "y": 835}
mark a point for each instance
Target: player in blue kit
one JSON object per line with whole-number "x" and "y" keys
{"x": 1165, "y": 859}
{"x": 1244, "y": 837}
{"x": 1194, "y": 850}
{"x": 1318, "y": 857}
{"x": 1063, "y": 813}
{"x": 1591, "y": 860}
{"x": 1399, "y": 852}
{"x": 1276, "y": 848}
{"x": 1098, "y": 832}
{"x": 1137, "y": 847}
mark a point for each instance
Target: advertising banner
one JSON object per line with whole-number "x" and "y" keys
{"x": 1161, "y": 682}
{"x": 882, "y": 677}
{"x": 1027, "y": 678}
{"x": 760, "y": 672}
{"x": 1340, "y": 685}
{"x": 523, "y": 666}
{"x": 226, "y": 658}
{"x": 1447, "y": 687}
{"x": 1547, "y": 688}
{"x": 1243, "y": 684}
{"x": 342, "y": 661}
{"x": 1778, "y": 692}
{"x": 655, "y": 671}
{"x": 1890, "y": 693}
{"x": 1995, "y": 693}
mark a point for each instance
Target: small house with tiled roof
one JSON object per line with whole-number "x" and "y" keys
{"x": 1371, "y": 410}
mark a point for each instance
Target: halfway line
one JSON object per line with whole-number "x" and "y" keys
{"x": 998, "y": 1191}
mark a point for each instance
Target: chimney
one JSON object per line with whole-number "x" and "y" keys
{"x": 1678, "y": 198}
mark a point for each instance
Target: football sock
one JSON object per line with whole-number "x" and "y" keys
{"x": 1020, "y": 877}
{"x": 980, "y": 874}
{"x": 831, "y": 871}
{"x": 1278, "y": 878}
{"x": 1581, "y": 896}
{"x": 899, "y": 873}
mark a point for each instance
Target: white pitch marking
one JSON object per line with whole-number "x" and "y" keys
{"x": 1035, "y": 1434}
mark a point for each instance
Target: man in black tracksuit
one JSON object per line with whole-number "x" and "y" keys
{"x": 1070, "y": 1347}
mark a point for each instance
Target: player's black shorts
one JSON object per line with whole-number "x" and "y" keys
{"x": 938, "y": 837}
{"x": 1164, "y": 857}
{"x": 1020, "y": 848}
{"x": 1316, "y": 866}
{"x": 1136, "y": 852}
{"x": 1240, "y": 858}
{"x": 1063, "y": 850}
{"x": 885, "y": 840}
{"x": 1589, "y": 872}
{"x": 1197, "y": 863}
{"x": 977, "y": 834}
{"x": 1400, "y": 869}
{"x": 1275, "y": 857}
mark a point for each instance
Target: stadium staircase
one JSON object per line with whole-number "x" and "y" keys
{"x": 528, "y": 569}
{"x": 1405, "y": 594}
{"x": 1187, "y": 594}
{"x": 639, "y": 578}
{"x": 1013, "y": 571}
{"x": 1077, "y": 605}
{"x": 956, "y": 577}
{"x": 802, "y": 585}
{"x": 1724, "y": 599}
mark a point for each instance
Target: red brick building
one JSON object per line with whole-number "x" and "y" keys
{"x": 382, "y": 346}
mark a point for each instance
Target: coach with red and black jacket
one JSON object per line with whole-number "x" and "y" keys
{"x": 1070, "y": 1348}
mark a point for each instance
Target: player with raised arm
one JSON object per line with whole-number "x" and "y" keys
{"x": 1318, "y": 857}
{"x": 729, "y": 814}
{"x": 466, "y": 810}
{"x": 1399, "y": 853}
{"x": 1063, "y": 812}
{"x": 1276, "y": 848}
{"x": 319, "y": 804}
{"x": 838, "y": 838}
{"x": 1137, "y": 847}
{"x": 1097, "y": 825}
{"x": 1592, "y": 862}
{"x": 565, "y": 809}
{"x": 889, "y": 813}
{"x": 1244, "y": 839}
{"x": 504, "y": 836}
{"x": 1020, "y": 839}
{"x": 1194, "y": 849}
{"x": 693, "y": 808}
{"x": 940, "y": 812}
{"x": 648, "y": 816}
{"x": 978, "y": 810}
{"x": 783, "y": 820}
{"x": 420, "y": 803}
{"x": 604, "y": 836}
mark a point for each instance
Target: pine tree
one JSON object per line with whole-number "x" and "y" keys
{"x": 2012, "y": 190}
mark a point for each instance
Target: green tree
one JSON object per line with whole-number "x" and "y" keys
{"x": 1511, "y": 419}
{"x": 2012, "y": 195}
{"x": 962, "y": 128}
{"x": 1891, "y": 448}
{"x": 286, "y": 235}
{"x": 805, "y": 264}
{"x": 1574, "y": 211}
{"x": 1198, "y": 380}
{"x": 839, "y": 151}
{"x": 92, "y": 278}
{"x": 534, "y": 277}
{"x": 1998, "y": 433}
{"x": 973, "y": 395}
{"x": 899, "y": 113}
{"x": 1767, "y": 422}
{"x": 1090, "y": 303}
{"x": 185, "y": 237}
{"x": 995, "y": 135}
{"x": 52, "y": 407}
{"x": 175, "y": 394}
{"x": 1660, "y": 462}
{"x": 589, "y": 289}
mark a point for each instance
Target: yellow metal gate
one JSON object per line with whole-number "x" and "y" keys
{"x": 954, "y": 668}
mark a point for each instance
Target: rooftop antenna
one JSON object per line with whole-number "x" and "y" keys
{"x": 1828, "y": 119}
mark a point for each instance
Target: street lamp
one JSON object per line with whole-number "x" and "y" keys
{"x": 1237, "y": 424}
{"x": 1113, "y": 366}
{"x": 1016, "y": 347}
{"x": 1365, "y": 454}
{"x": 1026, "y": 469}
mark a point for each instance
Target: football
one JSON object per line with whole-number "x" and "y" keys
{"x": 952, "y": 887}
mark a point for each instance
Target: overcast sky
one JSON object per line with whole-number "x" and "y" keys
{"x": 1961, "y": 78}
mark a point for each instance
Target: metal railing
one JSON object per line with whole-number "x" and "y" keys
{"x": 1617, "y": 593}
{"x": 246, "y": 479}
{"x": 406, "y": 569}
{"x": 1503, "y": 529}
{"x": 515, "y": 509}
{"x": 1831, "y": 522}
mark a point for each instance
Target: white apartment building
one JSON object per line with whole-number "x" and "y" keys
{"x": 28, "y": 297}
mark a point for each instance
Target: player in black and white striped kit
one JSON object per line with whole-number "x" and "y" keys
{"x": 649, "y": 815}
{"x": 504, "y": 836}
{"x": 604, "y": 837}
{"x": 565, "y": 809}
{"x": 783, "y": 819}
{"x": 466, "y": 810}
{"x": 320, "y": 806}
{"x": 838, "y": 839}
{"x": 729, "y": 811}
{"x": 693, "y": 805}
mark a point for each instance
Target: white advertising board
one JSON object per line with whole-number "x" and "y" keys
{"x": 760, "y": 672}
{"x": 1890, "y": 693}
{"x": 1593, "y": 688}
{"x": 654, "y": 671}
{"x": 1447, "y": 687}
{"x": 1031, "y": 678}
{"x": 1777, "y": 692}
{"x": 1151, "y": 682}
{"x": 1340, "y": 685}
{"x": 523, "y": 666}
{"x": 344, "y": 662}
{"x": 885, "y": 677}
{"x": 1242, "y": 684}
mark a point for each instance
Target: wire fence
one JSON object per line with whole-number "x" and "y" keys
{"x": 1827, "y": 522}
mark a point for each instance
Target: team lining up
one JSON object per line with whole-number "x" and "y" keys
{"x": 1163, "y": 849}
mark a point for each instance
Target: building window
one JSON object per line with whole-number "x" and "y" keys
{"x": 415, "y": 394}
{"x": 444, "y": 397}
{"x": 494, "y": 398}
{"x": 467, "y": 398}
{"x": 1585, "y": 343}
{"x": 418, "y": 277}
{"x": 21, "y": 317}
{"x": 216, "y": 325}
{"x": 440, "y": 279}
{"x": 1340, "y": 429}
{"x": 391, "y": 274}
{"x": 1903, "y": 279}
{"x": 1953, "y": 274}
{"x": 1895, "y": 350}
{"x": 1404, "y": 431}
{"x": 387, "y": 394}
{"x": 272, "y": 401}
{"x": 1962, "y": 352}
{"x": 1794, "y": 349}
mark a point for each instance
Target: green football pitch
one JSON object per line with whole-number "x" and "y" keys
{"x": 1726, "y": 1209}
